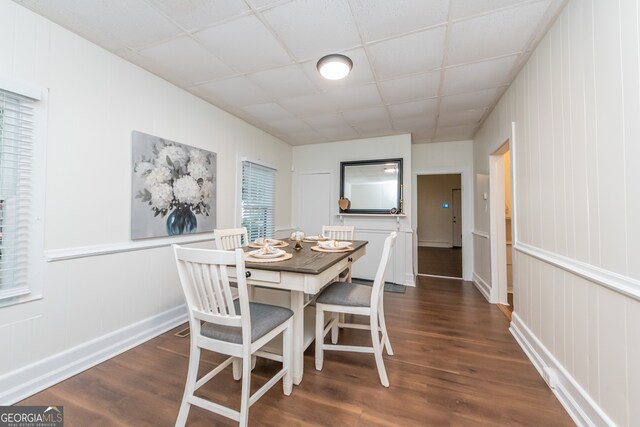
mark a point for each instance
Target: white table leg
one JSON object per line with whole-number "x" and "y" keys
{"x": 297, "y": 306}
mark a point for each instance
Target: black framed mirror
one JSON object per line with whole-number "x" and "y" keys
{"x": 372, "y": 186}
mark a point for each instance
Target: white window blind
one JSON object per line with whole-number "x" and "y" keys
{"x": 258, "y": 200}
{"x": 16, "y": 173}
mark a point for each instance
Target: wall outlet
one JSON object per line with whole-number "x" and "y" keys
{"x": 550, "y": 377}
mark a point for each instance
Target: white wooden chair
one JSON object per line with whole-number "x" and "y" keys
{"x": 220, "y": 324}
{"x": 230, "y": 238}
{"x": 352, "y": 298}
{"x": 338, "y": 232}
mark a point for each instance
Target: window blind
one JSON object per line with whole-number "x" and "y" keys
{"x": 258, "y": 200}
{"x": 16, "y": 173}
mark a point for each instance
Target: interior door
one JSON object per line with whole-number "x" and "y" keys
{"x": 456, "y": 201}
{"x": 314, "y": 202}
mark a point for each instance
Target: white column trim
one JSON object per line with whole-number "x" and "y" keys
{"x": 481, "y": 234}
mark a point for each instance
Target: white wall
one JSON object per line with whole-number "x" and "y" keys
{"x": 576, "y": 105}
{"x": 326, "y": 158}
{"x": 95, "y": 100}
{"x": 447, "y": 158}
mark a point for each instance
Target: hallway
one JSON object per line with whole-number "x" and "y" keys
{"x": 455, "y": 363}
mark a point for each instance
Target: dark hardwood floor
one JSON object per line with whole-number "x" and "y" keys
{"x": 440, "y": 261}
{"x": 455, "y": 364}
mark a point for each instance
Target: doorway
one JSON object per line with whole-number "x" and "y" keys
{"x": 439, "y": 225}
{"x": 501, "y": 214}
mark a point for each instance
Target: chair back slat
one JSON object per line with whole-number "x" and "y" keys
{"x": 230, "y": 238}
{"x": 378, "y": 282}
{"x": 205, "y": 281}
{"x": 338, "y": 232}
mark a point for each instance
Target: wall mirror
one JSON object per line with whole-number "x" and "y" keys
{"x": 372, "y": 186}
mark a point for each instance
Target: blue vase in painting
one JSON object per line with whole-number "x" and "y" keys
{"x": 181, "y": 221}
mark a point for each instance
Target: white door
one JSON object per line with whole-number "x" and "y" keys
{"x": 456, "y": 201}
{"x": 314, "y": 202}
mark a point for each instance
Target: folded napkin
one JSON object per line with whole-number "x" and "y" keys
{"x": 333, "y": 244}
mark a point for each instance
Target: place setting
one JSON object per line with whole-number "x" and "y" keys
{"x": 261, "y": 242}
{"x": 330, "y": 246}
{"x": 266, "y": 254}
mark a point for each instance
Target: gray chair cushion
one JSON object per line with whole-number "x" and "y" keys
{"x": 348, "y": 294}
{"x": 264, "y": 318}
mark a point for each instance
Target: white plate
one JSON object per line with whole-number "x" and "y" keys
{"x": 334, "y": 244}
{"x": 263, "y": 241}
{"x": 259, "y": 253}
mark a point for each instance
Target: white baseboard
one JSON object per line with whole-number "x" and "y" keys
{"x": 482, "y": 286}
{"x": 26, "y": 381}
{"x": 581, "y": 407}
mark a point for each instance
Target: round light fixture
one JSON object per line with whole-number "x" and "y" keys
{"x": 334, "y": 66}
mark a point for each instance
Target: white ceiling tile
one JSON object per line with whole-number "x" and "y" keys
{"x": 200, "y": 13}
{"x": 284, "y": 82}
{"x": 478, "y": 76}
{"x": 379, "y": 19}
{"x": 405, "y": 89}
{"x": 338, "y": 133}
{"x": 203, "y": 66}
{"x": 427, "y": 107}
{"x": 466, "y": 101}
{"x": 427, "y": 122}
{"x": 500, "y": 33}
{"x": 465, "y": 117}
{"x": 267, "y": 111}
{"x": 312, "y": 29}
{"x": 360, "y": 74}
{"x": 289, "y": 125}
{"x": 244, "y": 44}
{"x": 414, "y": 53}
{"x": 366, "y": 115}
{"x": 331, "y": 120}
{"x": 261, "y": 4}
{"x": 309, "y": 105}
{"x": 464, "y": 8}
{"x": 351, "y": 98}
{"x": 236, "y": 91}
{"x": 304, "y": 138}
{"x": 376, "y": 127}
{"x": 455, "y": 132}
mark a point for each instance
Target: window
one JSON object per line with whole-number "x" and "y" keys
{"x": 19, "y": 196}
{"x": 258, "y": 200}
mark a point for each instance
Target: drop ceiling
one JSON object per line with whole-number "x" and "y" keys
{"x": 432, "y": 68}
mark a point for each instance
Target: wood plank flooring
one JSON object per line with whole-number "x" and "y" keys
{"x": 440, "y": 261}
{"x": 455, "y": 364}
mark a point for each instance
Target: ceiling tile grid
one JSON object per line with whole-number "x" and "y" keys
{"x": 432, "y": 68}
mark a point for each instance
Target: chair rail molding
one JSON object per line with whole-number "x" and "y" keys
{"x": 622, "y": 284}
{"x": 108, "y": 249}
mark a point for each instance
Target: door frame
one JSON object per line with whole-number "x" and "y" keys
{"x": 497, "y": 218}
{"x": 466, "y": 187}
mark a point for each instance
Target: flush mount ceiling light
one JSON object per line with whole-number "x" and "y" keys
{"x": 334, "y": 66}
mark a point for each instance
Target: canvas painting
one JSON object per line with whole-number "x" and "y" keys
{"x": 173, "y": 188}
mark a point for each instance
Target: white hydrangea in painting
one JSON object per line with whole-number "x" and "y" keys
{"x": 174, "y": 188}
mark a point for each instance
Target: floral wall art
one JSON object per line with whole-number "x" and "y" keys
{"x": 173, "y": 188}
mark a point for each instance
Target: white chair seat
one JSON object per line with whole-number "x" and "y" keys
{"x": 264, "y": 318}
{"x": 346, "y": 294}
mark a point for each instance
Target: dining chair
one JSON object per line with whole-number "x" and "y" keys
{"x": 352, "y": 298}
{"x": 230, "y": 238}
{"x": 237, "y": 328}
{"x": 338, "y": 232}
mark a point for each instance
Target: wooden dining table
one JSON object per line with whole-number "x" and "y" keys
{"x": 302, "y": 277}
